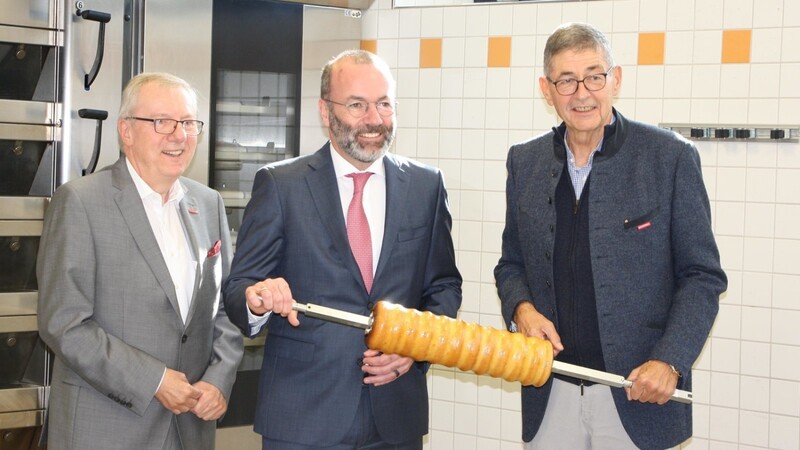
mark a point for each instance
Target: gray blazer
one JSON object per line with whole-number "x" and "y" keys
{"x": 294, "y": 228}
{"x": 657, "y": 285}
{"x": 109, "y": 312}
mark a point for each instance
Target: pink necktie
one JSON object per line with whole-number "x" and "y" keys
{"x": 358, "y": 228}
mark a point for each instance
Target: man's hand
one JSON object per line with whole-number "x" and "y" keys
{"x": 175, "y": 392}
{"x": 212, "y": 404}
{"x": 272, "y": 296}
{"x": 382, "y": 369}
{"x": 531, "y": 322}
{"x": 653, "y": 382}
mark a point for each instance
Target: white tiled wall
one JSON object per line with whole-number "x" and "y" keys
{"x": 463, "y": 117}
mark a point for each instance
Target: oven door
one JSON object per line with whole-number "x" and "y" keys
{"x": 29, "y": 59}
{"x": 24, "y": 360}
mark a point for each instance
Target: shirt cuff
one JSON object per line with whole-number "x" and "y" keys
{"x": 162, "y": 380}
{"x": 256, "y": 322}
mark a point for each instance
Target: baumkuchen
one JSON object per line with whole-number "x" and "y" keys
{"x": 424, "y": 336}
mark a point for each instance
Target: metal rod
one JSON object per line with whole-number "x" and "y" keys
{"x": 583, "y": 373}
{"x": 609, "y": 379}
{"x": 335, "y": 315}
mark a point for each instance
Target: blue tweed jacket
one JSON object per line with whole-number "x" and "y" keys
{"x": 657, "y": 285}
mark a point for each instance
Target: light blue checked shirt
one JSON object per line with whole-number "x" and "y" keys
{"x": 578, "y": 175}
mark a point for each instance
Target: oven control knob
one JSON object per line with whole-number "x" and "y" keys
{"x": 21, "y": 52}
{"x": 15, "y": 244}
{"x": 9, "y": 436}
{"x": 11, "y": 341}
{"x": 18, "y": 148}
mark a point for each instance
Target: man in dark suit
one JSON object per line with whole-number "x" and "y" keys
{"x": 608, "y": 253}
{"x": 320, "y": 386}
{"x": 130, "y": 273}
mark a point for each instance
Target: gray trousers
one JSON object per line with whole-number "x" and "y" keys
{"x": 578, "y": 421}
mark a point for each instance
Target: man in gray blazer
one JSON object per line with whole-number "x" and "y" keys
{"x": 607, "y": 252}
{"x": 130, "y": 268}
{"x": 320, "y": 387}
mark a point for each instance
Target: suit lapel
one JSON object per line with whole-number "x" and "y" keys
{"x": 325, "y": 194}
{"x": 130, "y": 206}
{"x": 190, "y": 214}
{"x": 397, "y": 184}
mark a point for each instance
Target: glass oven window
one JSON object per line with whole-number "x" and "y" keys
{"x": 255, "y": 125}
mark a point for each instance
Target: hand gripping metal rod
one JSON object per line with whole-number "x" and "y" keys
{"x": 609, "y": 379}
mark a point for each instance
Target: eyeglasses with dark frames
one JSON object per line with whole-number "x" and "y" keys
{"x": 168, "y": 126}
{"x": 358, "y": 109}
{"x": 569, "y": 86}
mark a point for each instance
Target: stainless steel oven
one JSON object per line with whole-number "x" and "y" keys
{"x": 24, "y": 360}
{"x": 31, "y": 48}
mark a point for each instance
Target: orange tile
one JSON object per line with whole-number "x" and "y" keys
{"x": 499, "y": 51}
{"x": 430, "y": 53}
{"x": 651, "y": 48}
{"x": 370, "y": 45}
{"x": 736, "y": 46}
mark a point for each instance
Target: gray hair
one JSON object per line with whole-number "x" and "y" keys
{"x": 130, "y": 95}
{"x": 576, "y": 36}
{"x": 356, "y": 57}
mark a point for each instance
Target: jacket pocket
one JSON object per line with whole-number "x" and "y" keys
{"x": 285, "y": 347}
{"x": 412, "y": 233}
{"x": 642, "y": 221}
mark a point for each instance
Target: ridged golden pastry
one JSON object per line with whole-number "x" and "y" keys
{"x": 424, "y": 336}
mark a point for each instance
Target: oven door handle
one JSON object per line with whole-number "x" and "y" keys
{"x": 103, "y": 19}
{"x": 99, "y": 115}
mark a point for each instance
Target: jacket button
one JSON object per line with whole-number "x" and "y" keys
{"x": 547, "y": 255}
{"x": 552, "y": 228}
{"x": 547, "y": 282}
{"x": 183, "y": 338}
{"x": 549, "y": 200}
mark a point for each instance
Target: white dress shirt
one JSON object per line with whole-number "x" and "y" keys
{"x": 168, "y": 229}
{"x": 374, "y": 199}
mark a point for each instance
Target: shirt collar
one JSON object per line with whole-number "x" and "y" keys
{"x": 342, "y": 167}
{"x": 176, "y": 191}
{"x": 599, "y": 148}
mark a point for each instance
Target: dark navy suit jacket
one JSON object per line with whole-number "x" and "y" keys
{"x": 294, "y": 228}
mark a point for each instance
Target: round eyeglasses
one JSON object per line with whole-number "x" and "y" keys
{"x": 168, "y": 126}
{"x": 359, "y": 109}
{"x": 569, "y": 86}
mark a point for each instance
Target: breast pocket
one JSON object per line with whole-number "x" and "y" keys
{"x": 409, "y": 234}
{"x": 641, "y": 222}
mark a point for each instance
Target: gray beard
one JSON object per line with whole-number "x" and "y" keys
{"x": 345, "y": 137}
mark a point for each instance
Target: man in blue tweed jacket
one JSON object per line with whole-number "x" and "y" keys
{"x": 608, "y": 253}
